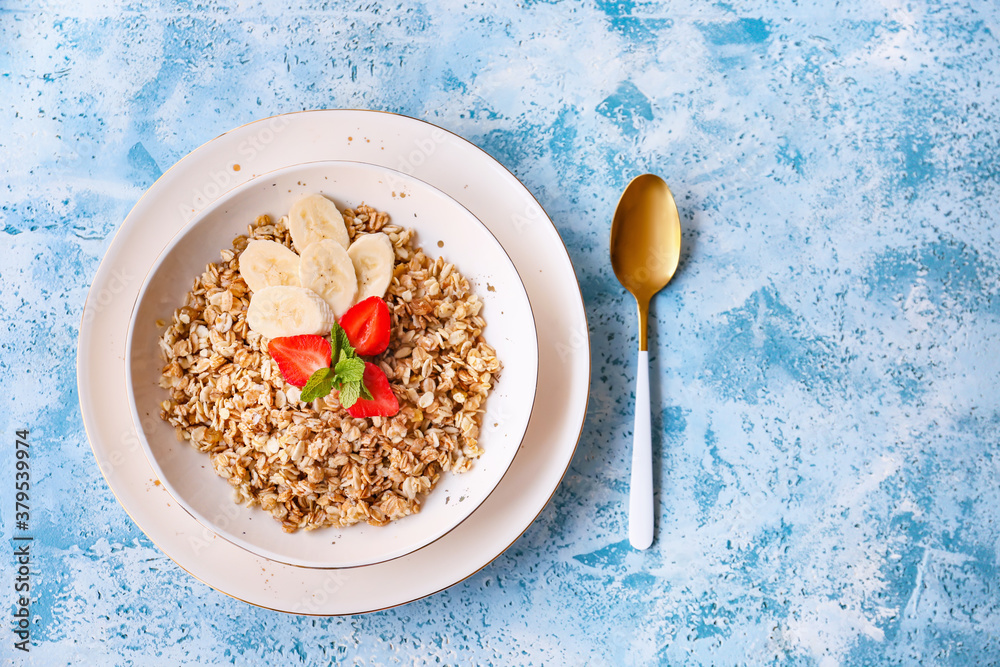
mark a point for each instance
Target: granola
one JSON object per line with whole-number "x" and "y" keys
{"x": 312, "y": 465}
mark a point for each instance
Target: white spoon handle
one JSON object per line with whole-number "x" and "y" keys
{"x": 640, "y": 503}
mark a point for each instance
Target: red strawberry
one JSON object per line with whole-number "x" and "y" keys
{"x": 367, "y": 326}
{"x": 299, "y": 357}
{"x": 383, "y": 402}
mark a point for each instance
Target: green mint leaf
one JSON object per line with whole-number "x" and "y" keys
{"x": 365, "y": 394}
{"x": 324, "y": 389}
{"x": 320, "y": 384}
{"x": 350, "y": 370}
{"x": 341, "y": 344}
{"x": 334, "y": 345}
{"x": 349, "y": 393}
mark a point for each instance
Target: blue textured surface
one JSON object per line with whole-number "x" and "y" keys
{"x": 825, "y": 365}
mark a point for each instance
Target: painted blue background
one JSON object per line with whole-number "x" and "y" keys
{"x": 826, "y": 362}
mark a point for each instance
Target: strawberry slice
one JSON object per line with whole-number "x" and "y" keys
{"x": 367, "y": 326}
{"x": 383, "y": 402}
{"x": 299, "y": 357}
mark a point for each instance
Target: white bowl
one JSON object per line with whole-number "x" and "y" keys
{"x": 188, "y": 474}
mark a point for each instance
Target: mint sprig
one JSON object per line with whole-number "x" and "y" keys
{"x": 346, "y": 374}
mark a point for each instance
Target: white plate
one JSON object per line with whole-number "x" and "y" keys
{"x": 439, "y": 222}
{"x": 447, "y": 162}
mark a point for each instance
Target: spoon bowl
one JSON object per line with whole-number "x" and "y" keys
{"x": 645, "y": 241}
{"x": 645, "y": 251}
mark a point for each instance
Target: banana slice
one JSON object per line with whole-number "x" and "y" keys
{"x": 283, "y": 310}
{"x": 267, "y": 263}
{"x": 326, "y": 268}
{"x": 373, "y": 258}
{"x": 313, "y": 219}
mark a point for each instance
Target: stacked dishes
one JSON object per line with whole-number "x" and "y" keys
{"x": 487, "y": 224}
{"x": 435, "y": 218}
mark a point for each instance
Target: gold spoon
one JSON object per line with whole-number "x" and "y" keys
{"x": 645, "y": 249}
